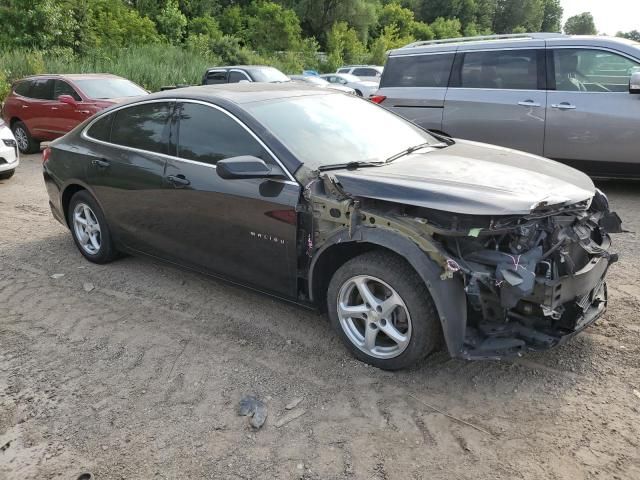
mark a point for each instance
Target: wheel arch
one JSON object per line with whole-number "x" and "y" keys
{"x": 13, "y": 121}
{"x": 448, "y": 294}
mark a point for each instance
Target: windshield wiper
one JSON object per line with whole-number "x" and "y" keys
{"x": 349, "y": 165}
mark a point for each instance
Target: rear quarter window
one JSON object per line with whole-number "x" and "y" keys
{"x": 23, "y": 88}
{"x": 101, "y": 129}
{"x": 144, "y": 127}
{"x": 418, "y": 71}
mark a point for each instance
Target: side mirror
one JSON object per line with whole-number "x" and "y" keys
{"x": 68, "y": 99}
{"x": 246, "y": 166}
{"x": 634, "y": 83}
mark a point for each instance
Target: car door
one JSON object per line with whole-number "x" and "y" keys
{"x": 592, "y": 119}
{"x": 242, "y": 229}
{"x": 498, "y": 96}
{"x": 415, "y": 87}
{"x": 128, "y": 151}
{"x": 65, "y": 117}
{"x": 38, "y": 114}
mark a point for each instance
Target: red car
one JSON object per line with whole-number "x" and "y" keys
{"x": 45, "y": 107}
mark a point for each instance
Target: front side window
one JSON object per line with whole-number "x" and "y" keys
{"x": 42, "y": 89}
{"x": 109, "y": 88}
{"x": 332, "y": 129}
{"x": 236, "y": 77}
{"x": 207, "y": 135}
{"x": 215, "y": 78}
{"x": 145, "y": 127}
{"x": 63, "y": 88}
{"x": 588, "y": 70}
{"x": 418, "y": 71}
{"x": 501, "y": 69}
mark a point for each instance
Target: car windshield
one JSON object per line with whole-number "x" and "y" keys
{"x": 315, "y": 80}
{"x": 269, "y": 74}
{"x": 109, "y": 88}
{"x": 333, "y": 129}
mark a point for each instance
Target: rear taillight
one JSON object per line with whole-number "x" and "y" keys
{"x": 377, "y": 98}
{"x": 46, "y": 153}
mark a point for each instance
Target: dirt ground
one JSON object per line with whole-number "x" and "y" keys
{"x": 135, "y": 370}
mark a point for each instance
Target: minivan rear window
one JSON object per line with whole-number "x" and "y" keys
{"x": 418, "y": 71}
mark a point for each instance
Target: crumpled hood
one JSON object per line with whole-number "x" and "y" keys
{"x": 470, "y": 178}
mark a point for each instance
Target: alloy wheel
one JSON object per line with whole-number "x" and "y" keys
{"x": 87, "y": 228}
{"x": 21, "y": 138}
{"x": 374, "y": 317}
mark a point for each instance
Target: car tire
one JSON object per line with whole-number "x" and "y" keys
{"x": 359, "y": 93}
{"x": 89, "y": 228}
{"x": 7, "y": 175}
{"x": 402, "y": 335}
{"x": 26, "y": 143}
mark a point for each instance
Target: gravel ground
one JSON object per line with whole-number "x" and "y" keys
{"x": 135, "y": 370}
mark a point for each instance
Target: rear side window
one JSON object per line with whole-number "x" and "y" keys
{"x": 63, "y": 88}
{"x": 418, "y": 71}
{"x": 216, "y": 77}
{"x": 145, "y": 127}
{"x": 366, "y": 72}
{"x": 101, "y": 130}
{"x": 23, "y": 88}
{"x": 42, "y": 89}
{"x": 208, "y": 135}
{"x": 344, "y": 70}
{"x": 504, "y": 69}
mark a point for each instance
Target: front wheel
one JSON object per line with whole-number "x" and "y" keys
{"x": 382, "y": 311}
{"x": 89, "y": 228}
{"x": 7, "y": 175}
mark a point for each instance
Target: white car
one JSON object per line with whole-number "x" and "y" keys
{"x": 321, "y": 82}
{"x": 8, "y": 152}
{"x": 363, "y": 72}
{"x": 363, "y": 88}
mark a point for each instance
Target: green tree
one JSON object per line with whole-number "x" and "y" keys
{"x": 206, "y": 26}
{"x": 273, "y": 28}
{"x": 394, "y": 14}
{"x": 552, "y": 16}
{"x": 632, "y": 35}
{"x": 171, "y": 22}
{"x": 582, "y": 24}
{"x": 390, "y": 38}
{"x": 344, "y": 46}
{"x": 523, "y": 15}
{"x": 446, "y": 28}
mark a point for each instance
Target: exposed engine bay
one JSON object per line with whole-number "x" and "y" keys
{"x": 530, "y": 281}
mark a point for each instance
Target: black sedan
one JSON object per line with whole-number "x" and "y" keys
{"x": 330, "y": 201}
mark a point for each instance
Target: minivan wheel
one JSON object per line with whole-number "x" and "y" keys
{"x": 26, "y": 143}
{"x": 89, "y": 228}
{"x": 382, "y": 311}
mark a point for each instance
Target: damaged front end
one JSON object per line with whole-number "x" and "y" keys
{"x": 530, "y": 281}
{"x": 534, "y": 281}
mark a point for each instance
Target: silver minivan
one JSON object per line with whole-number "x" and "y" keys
{"x": 569, "y": 98}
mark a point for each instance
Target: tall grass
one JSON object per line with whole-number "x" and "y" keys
{"x": 151, "y": 66}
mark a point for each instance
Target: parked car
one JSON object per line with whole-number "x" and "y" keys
{"x": 564, "y": 97}
{"x": 45, "y": 107}
{"x": 322, "y": 199}
{"x": 321, "y": 82}
{"x": 363, "y": 88}
{"x": 363, "y": 72}
{"x": 243, "y": 73}
{"x": 9, "y": 158}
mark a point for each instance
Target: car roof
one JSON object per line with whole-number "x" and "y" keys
{"x": 515, "y": 41}
{"x": 240, "y": 67}
{"x": 241, "y": 93}
{"x": 73, "y": 76}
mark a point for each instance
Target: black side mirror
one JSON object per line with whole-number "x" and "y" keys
{"x": 246, "y": 166}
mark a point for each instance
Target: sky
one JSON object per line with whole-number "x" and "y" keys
{"x": 610, "y": 16}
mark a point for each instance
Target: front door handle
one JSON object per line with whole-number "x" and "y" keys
{"x": 529, "y": 103}
{"x": 178, "y": 180}
{"x": 563, "y": 106}
{"x": 100, "y": 162}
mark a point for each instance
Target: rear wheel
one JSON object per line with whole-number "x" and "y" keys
{"x": 382, "y": 311}
{"x": 26, "y": 143}
{"x": 7, "y": 175}
{"x": 89, "y": 228}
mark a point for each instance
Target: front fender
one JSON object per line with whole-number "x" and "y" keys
{"x": 448, "y": 295}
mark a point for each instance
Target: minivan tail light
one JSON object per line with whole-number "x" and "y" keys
{"x": 46, "y": 153}
{"x": 378, "y": 98}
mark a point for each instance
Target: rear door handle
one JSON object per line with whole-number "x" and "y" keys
{"x": 100, "y": 162}
{"x": 563, "y": 106}
{"x": 178, "y": 180}
{"x": 529, "y": 103}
